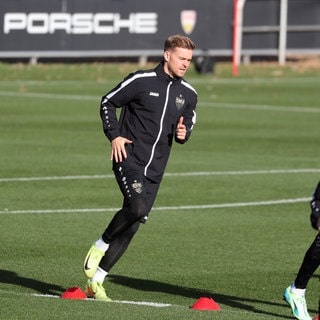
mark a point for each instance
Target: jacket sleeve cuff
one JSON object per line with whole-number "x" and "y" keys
{"x": 112, "y": 134}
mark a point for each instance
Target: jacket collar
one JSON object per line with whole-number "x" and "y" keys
{"x": 164, "y": 76}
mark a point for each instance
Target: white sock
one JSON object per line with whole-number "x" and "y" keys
{"x": 99, "y": 276}
{"x": 101, "y": 245}
{"x": 300, "y": 292}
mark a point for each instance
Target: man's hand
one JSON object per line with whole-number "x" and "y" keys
{"x": 118, "y": 150}
{"x": 181, "y": 130}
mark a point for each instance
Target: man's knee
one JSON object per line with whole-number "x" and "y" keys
{"x": 138, "y": 209}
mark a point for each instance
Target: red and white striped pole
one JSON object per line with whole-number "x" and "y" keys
{"x": 237, "y": 35}
{"x": 235, "y": 66}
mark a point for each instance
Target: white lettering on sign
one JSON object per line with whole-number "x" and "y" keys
{"x": 80, "y": 23}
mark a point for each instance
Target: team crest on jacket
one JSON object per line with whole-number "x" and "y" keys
{"x": 180, "y": 102}
{"x": 137, "y": 187}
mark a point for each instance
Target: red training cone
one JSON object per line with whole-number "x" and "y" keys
{"x": 205, "y": 304}
{"x": 74, "y": 293}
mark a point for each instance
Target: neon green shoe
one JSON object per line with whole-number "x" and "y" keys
{"x": 92, "y": 261}
{"x": 96, "y": 290}
{"x": 297, "y": 303}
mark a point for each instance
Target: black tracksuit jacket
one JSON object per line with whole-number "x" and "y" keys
{"x": 152, "y": 103}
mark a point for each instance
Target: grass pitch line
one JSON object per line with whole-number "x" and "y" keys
{"x": 140, "y": 303}
{"x": 216, "y": 104}
{"x": 144, "y": 303}
{"x": 49, "y": 96}
{"x": 259, "y": 107}
{"x": 173, "y": 174}
{"x": 204, "y": 80}
{"x": 194, "y": 207}
{"x": 53, "y": 178}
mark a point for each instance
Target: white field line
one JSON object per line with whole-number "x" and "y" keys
{"x": 54, "y": 178}
{"x": 140, "y": 303}
{"x": 201, "y": 80}
{"x": 49, "y": 96}
{"x": 173, "y": 174}
{"x": 144, "y": 303}
{"x": 193, "y": 207}
{"x": 259, "y": 107}
{"x": 201, "y": 103}
{"x": 257, "y": 80}
{"x": 59, "y": 83}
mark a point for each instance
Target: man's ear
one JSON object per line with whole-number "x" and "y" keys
{"x": 166, "y": 56}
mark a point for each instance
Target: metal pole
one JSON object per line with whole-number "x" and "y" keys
{"x": 283, "y": 31}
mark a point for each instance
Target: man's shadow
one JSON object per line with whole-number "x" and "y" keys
{"x": 11, "y": 277}
{"x": 232, "y": 301}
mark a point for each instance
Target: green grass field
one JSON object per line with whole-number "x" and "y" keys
{"x": 231, "y": 220}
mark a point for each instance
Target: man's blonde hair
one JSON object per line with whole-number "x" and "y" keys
{"x": 178, "y": 41}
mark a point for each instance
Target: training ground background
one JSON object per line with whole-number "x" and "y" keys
{"x": 232, "y": 218}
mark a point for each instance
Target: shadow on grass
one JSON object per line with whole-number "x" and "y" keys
{"x": 232, "y": 301}
{"x": 11, "y": 277}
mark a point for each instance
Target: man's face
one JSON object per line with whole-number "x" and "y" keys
{"x": 177, "y": 61}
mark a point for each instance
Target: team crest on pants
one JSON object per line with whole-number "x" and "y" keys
{"x": 137, "y": 187}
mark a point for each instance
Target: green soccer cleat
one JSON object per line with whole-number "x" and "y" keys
{"x": 92, "y": 261}
{"x": 96, "y": 290}
{"x": 297, "y": 303}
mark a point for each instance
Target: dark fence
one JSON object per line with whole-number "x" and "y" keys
{"x": 137, "y": 28}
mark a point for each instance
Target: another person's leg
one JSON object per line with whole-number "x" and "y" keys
{"x": 295, "y": 293}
